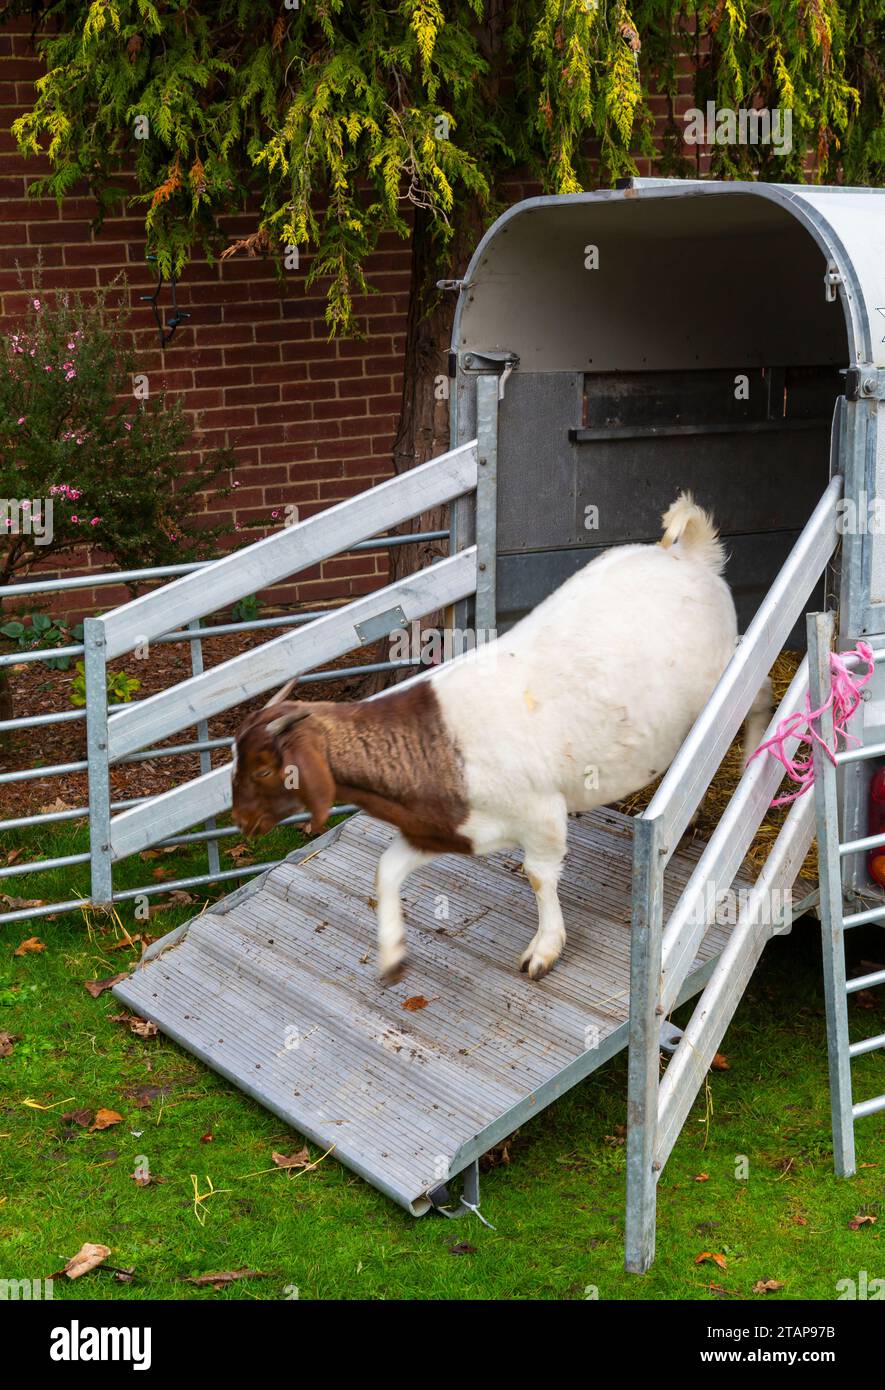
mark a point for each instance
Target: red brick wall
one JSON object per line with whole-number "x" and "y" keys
{"x": 311, "y": 421}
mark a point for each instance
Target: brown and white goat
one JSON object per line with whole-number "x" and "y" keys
{"x": 583, "y": 702}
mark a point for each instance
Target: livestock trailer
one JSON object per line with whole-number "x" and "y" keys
{"x": 609, "y": 349}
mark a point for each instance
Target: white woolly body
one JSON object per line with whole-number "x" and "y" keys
{"x": 589, "y": 697}
{"x": 583, "y": 702}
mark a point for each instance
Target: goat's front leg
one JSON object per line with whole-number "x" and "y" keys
{"x": 396, "y": 863}
{"x": 545, "y": 846}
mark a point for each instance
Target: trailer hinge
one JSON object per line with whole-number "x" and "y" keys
{"x": 864, "y": 383}
{"x": 832, "y": 281}
{"x": 503, "y": 362}
{"x": 459, "y": 285}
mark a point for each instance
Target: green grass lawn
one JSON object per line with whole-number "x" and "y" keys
{"x": 557, "y": 1206}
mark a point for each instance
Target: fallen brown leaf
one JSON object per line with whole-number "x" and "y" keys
{"x": 32, "y": 944}
{"x": 83, "y": 1117}
{"x": 104, "y": 1119}
{"x": 142, "y": 1027}
{"x": 416, "y": 1001}
{"x": 87, "y": 1257}
{"x": 462, "y": 1248}
{"x": 861, "y": 1220}
{"x": 767, "y": 1286}
{"x": 702, "y": 1177}
{"x": 720, "y": 1063}
{"x": 719, "y": 1260}
{"x": 6, "y": 1042}
{"x": 97, "y": 987}
{"x": 300, "y": 1159}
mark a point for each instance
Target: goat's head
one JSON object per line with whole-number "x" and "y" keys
{"x": 281, "y": 768}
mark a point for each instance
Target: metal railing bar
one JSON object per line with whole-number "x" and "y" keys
{"x": 731, "y": 974}
{"x": 173, "y": 884}
{"x": 42, "y": 654}
{"x": 722, "y": 855}
{"x": 264, "y": 668}
{"x": 857, "y": 1049}
{"x": 279, "y": 556}
{"x": 868, "y": 1107}
{"x": 336, "y": 674}
{"x": 875, "y": 977}
{"x": 859, "y": 755}
{"x": 199, "y": 836}
{"x": 105, "y": 577}
{"x": 860, "y": 919}
{"x": 41, "y": 866}
{"x": 75, "y": 813}
{"x": 694, "y": 766}
{"x": 858, "y": 846}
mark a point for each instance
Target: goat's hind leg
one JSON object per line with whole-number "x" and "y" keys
{"x": 545, "y": 847}
{"x": 396, "y": 863}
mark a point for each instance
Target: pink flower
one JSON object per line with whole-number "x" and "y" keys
{"x": 69, "y": 376}
{"x": 74, "y": 518}
{"x": 95, "y": 520}
{"x": 37, "y": 305}
{"x": 21, "y": 419}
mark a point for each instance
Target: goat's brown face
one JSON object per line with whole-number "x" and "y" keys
{"x": 280, "y": 769}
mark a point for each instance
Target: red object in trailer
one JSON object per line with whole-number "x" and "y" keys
{"x": 876, "y": 857}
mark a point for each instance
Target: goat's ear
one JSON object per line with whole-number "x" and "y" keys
{"x": 278, "y": 726}
{"x": 316, "y": 785}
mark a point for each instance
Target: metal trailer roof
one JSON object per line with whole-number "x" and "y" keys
{"x": 527, "y": 289}
{"x": 275, "y": 987}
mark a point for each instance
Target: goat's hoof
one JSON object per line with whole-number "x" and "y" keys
{"x": 536, "y": 967}
{"x": 392, "y": 969}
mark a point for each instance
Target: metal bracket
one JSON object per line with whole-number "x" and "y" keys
{"x": 459, "y": 285}
{"x": 167, "y": 332}
{"x": 864, "y": 382}
{"x": 468, "y": 1202}
{"x": 381, "y": 624}
{"x": 832, "y": 281}
{"x": 670, "y": 1036}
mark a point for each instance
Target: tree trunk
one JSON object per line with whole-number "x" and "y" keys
{"x": 423, "y": 430}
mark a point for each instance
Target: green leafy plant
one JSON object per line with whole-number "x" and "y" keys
{"x": 120, "y": 687}
{"x": 99, "y": 468}
{"x": 38, "y": 630}
{"x": 246, "y": 610}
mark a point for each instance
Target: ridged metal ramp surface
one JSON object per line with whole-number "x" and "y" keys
{"x": 276, "y": 989}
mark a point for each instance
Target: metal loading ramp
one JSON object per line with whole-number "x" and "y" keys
{"x": 276, "y": 988}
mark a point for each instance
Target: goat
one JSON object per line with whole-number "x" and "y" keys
{"x": 583, "y": 702}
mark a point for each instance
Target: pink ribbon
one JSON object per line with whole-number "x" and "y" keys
{"x": 844, "y": 699}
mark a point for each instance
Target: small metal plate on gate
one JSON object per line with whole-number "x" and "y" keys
{"x": 379, "y": 626}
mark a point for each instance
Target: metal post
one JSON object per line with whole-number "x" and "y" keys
{"x": 486, "y": 504}
{"x": 95, "y": 664}
{"x": 644, "y": 1043}
{"x": 820, "y": 637}
{"x": 202, "y": 735}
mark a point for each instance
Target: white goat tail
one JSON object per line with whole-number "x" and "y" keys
{"x": 693, "y": 529}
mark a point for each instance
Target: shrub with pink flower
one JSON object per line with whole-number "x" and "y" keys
{"x": 119, "y": 472}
